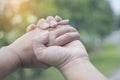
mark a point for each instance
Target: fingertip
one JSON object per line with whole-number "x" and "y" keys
{"x": 58, "y": 18}
{"x": 51, "y": 21}
{"x": 30, "y": 27}
{"x": 43, "y": 24}
{"x": 64, "y": 22}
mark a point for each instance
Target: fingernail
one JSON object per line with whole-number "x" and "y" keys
{"x": 53, "y": 23}
{"x": 45, "y": 25}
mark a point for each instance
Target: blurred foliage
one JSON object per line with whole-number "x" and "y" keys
{"x": 93, "y": 19}
{"x": 90, "y": 15}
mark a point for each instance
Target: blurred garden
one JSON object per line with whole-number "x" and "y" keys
{"x": 94, "y": 19}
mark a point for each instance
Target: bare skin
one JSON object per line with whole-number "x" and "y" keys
{"x": 42, "y": 51}
{"x": 71, "y": 59}
{"x": 20, "y": 53}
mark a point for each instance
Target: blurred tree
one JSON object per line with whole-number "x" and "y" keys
{"x": 91, "y": 15}
{"x": 93, "y": 18}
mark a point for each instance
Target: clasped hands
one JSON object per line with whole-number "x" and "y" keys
{"x": 52, "y": 42}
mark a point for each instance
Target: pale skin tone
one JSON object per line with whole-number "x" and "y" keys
{"x": 73, "y": 61}
{"x": 20, "y": 53}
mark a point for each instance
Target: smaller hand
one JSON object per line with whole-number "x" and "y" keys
{"x": 56, "y": 27}
{"x": 59, "y": 56}
{"x": 49, "y": 22}
{"x": 23, "y": 46}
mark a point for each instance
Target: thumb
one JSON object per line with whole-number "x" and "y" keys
{"x": 39, "y": 42}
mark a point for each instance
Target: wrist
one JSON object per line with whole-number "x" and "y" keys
{"x": 13, "y": 55}
{"x": 9, "y": 61}
{"x": 23, "y": 49}
{"x": 79, "y": 69}
{"x": 24, "y": 55}
{"x": 73, "y": 63}
{"x": 75, "y": 69}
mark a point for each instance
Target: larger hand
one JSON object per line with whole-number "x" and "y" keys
{"x": 59, "y": 56}
{"x": 23, "y": 46}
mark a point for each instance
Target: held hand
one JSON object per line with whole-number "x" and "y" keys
{"x": 20, "y": 53}
{"x": 59, "y": 56}
{"x": 72, "y": 60}
{"x": 23, "y": 46}
{"x": 50, "y": 22}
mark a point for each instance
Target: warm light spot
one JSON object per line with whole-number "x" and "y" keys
{"x": 16, "y": 19}
{"x": 13, "y": 5}
{"x": 31, "y": 18}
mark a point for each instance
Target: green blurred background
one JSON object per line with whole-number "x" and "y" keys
{"x": 94, "y": 19}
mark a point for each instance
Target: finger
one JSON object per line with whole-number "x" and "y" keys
{"x": 30, "y": 27}
{"x": 63, "y": 22}
{"x": 51, "y": 21}
{"x": 62, "y": 29}
{"x": 76, "y": 43}
{"x": 39, "y": 42}
{"x": 67, "y": 38}
{"x": 43, "y": 24}
{"x": 58, "y": 18}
